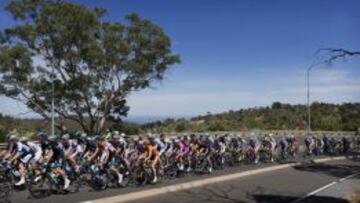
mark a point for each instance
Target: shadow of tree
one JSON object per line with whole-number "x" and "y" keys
{"x": 286, "y": 199}
{"x": 259, "y": 195}
{"x": 338, "y": 170}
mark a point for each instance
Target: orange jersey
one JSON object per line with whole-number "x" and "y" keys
{"x": 151, "y": 149}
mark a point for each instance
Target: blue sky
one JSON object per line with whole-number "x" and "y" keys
{"x": 238, "y": 54}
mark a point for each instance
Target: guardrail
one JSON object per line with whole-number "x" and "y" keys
{"x": 2, "y": 146}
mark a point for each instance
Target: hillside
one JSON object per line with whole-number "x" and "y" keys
{"x": 278, "y": 116}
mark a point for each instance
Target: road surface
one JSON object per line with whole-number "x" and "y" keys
{"x": 284, "y": 185}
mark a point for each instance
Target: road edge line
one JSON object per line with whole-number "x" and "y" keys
{"x": 307, "y": 195}
{"x": 132, "y": 196}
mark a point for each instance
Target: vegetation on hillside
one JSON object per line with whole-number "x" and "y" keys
{"x": 278, "y": 116}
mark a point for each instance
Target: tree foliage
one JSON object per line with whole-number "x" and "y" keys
{"x": 337, "y": 53}
{"x": 93, "y": 63}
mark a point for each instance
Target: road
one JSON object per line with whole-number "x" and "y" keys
{"x": 283, "y": 185}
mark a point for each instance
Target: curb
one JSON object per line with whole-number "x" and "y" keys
{"x": 198, "y": 183}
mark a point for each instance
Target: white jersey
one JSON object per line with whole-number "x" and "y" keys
{"x": 34, "y": 147}
{"x": 22, "y": 149}
{"x": 159, "y": 143}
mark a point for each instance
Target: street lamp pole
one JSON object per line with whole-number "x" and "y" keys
{"x": 308, "y": 96}
{"x": 308, "y": 99}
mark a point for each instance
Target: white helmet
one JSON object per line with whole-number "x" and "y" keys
{"x": 13, "y": 137}
{"x": 23, "y": 139}
{"x": 116, "y": 137}
{"x": 66, "y": 136}
{"x": 83, "y": 135}
{"x": 150, "y": 135}
{"x": 52, "y": 137}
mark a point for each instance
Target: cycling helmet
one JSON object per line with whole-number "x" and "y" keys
{"x": 98, "y": 138}
{"x": 23, "y": 139}
{"x": 53, "y": 138}
{"x": 42, "y": 134}
{"x": 66, "y": 137}
{"x": 116, "y": 137}
{"x": 83, "y": 135}
{"x": 13, "y": 137}
{"x": 149, "y": 135}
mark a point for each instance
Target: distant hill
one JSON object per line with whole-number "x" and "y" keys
{"x": 278, "y": 116}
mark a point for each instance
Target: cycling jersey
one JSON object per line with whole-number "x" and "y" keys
{"x": 255, "y": 143}
{"x": 151, "y": 149}
{"x": 105, "y": 145}
{"x": 24, "y": 152}
{"x": 90, "y": 145}
{"x": 183, "y": 148}
{"x": 56, "y": 147}
{"x": 73, "y": 146}
{"x": 37, "y": 151}
{"x": 283, "y": 143}
{"x": 160, "y": 146}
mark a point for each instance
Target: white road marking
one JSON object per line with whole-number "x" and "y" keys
{"x": 192, "y": 184}
{"x": 323, "y": 188}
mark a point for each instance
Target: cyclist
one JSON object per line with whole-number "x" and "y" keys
{"x": 54, "y": 157}
{"x": 309, "y": 143}
{"x": 284, "y": 144}
{"x": 271, "y": 144}
{"x": 36, "y": 150}
{"x": 106, "y": 154}
{"x": 151, "y": 154}
{"x": 254, "y": 145}
{"x": 73, "y": 151}
{"x": 205, "y": 146}
{"x": 22, "y": 157}
{"x": 121, "y": 151}
{"x": 10, "y": 150}
{"x": 346, "y": 144}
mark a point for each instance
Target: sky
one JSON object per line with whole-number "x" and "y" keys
{"x": 239, "y": 54}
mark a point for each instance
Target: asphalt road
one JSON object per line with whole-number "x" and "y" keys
{"x": 279, "y": 186}
{"x": 285, "y": 185}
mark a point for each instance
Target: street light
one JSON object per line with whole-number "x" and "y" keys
{"x": 308, "y": 94}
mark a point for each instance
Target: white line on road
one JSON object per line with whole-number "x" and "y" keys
{"x": 192, "y": 184}
{"x": 323, "y": 188}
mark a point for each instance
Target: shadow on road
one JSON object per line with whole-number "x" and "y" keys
{"x": 287, "y": 199}
{"x": 338, "y": 170}
{"x": 260, "y": 195}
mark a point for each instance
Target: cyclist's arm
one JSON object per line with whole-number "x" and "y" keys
{"x": 93, "y": 156}
{"x": 107, "y": 153}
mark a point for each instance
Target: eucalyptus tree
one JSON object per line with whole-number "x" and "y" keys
{"x": 94, "y": 63}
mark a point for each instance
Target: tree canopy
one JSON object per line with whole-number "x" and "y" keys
{"x": 93, "y": 63}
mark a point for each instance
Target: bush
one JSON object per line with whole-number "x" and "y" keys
{"x": 216, "y": 127}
